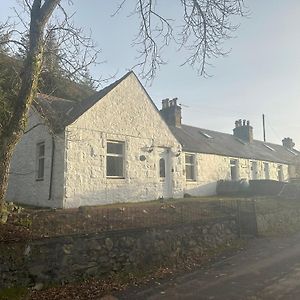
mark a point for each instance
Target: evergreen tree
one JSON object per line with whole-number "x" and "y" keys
{"x": 51, "y": 54}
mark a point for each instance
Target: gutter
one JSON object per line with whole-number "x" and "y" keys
{"x": 51, "y": 168}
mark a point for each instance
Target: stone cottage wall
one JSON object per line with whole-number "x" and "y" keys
{"x": 210, "y": 168}
{"x": 23, "y": 186}
{"x": 72, "y": 258}
{"x": 125, "y": 114}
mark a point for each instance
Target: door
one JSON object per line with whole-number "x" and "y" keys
{"x": 165, "y": 173}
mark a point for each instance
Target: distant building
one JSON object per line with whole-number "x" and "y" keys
{"x": 210, "y": 155}
{"x": 116, "y": 146}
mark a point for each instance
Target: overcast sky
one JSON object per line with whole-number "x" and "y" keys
{"x": 260, "y": 75}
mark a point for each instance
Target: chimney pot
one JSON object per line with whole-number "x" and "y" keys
{"x": 171, "y": 112}
{"x": 288, "y": 143}
{"x": 243, "y": 130}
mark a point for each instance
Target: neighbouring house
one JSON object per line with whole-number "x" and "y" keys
{"x": 116, "y": 146}
{"x": 210, "y": 155}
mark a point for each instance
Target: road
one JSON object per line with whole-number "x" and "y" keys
{"x": 268, "y": 269}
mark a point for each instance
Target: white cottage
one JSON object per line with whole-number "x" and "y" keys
{"x": 112, "y": 147}
{"x": 117, "y": 147}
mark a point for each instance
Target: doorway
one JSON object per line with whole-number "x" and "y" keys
{"x": 165, "y": 173}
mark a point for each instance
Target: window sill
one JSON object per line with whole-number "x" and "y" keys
{"x": 39, "y": 179}
{"x": 191, "y": 181}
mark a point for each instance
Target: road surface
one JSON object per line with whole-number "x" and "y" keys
{"x": 268, "y": 269}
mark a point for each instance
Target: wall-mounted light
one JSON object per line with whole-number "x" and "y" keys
{"x": 178, "y": 153}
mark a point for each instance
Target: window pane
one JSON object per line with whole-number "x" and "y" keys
{"x": 233, "y": 162}
{"x": 162, "y": 168}
{"x": 41, "y": 150}
{"x": 233, "y": 171}
{"x": 114, "y": 166}
{"x": 41, "y": 165}
{"x": 115, "y": 148}
{"x": 189, "y": 159}
{"x": 189, "y": 169}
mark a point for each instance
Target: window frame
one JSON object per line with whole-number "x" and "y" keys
{"x": 117, "y": 155}
{"x": 234, "y": 163}
{"x": 266, "y": 170}
{"x": 40, "y": 158}
{"x": 280, "y": 175}
{"x": 192, "y": 165}
{"x": 162, "y": 178}
{"x": 253, "y": 167}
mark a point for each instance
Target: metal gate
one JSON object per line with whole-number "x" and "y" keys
{"x": 246, "y": 217}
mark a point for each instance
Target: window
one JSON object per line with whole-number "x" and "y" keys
{"x": 190, "y": 167}
{"x": 266, "y": 170}
{"x": 253, "y": 170}
{"x": 40, "y": 172}
{"x": 162, "y": 168}
{"x": 115, "y": 159}
{"x": 205, "y": 134}
{"x": 269, "y": 147}
{"x": 234, "y": 169}
{"x": 279, "y": 173}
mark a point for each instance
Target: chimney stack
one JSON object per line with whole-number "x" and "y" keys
{"x": 288, "y": 143}
{"x": 171, "y": 112}
{"x": 243, "y": 130}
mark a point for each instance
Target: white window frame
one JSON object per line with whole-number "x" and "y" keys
{"x": 40, "y": 158}
{"x": 280, "y": 175}
{"x": 193, "y": 165}
{"x": 254, "y": 167}
{"x": 122, "y": 155}
{"x": 162, "y": 178}
{"x": 234, "y": 163}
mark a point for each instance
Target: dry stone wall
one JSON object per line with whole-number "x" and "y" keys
{"x": 70, "y": 258}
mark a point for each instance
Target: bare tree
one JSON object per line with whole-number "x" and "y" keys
{"x": 205, "y": 25}
{"x": 201, "y": 32}
{"x": 78, "y": 53}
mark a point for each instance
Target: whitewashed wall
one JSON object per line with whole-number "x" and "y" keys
{"x": 210, "y": 168}
{"x": 23, "y": 186}
{"x": 124, "y": 114}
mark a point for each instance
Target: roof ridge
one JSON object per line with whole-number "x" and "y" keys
{"x": 254, "y": 140}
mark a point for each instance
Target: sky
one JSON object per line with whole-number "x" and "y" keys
{"x": 260, "y": 75}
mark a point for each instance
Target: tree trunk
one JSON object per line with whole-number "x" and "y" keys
{"x": 12, "y": 132}
{"x": 5, "y": 156}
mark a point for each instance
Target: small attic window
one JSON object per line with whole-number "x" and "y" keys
{"x": 292, "y": 151}
{"x": 205, "y": 134}
{"x": 269, "y": 147}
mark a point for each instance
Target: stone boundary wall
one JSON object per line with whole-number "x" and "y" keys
{"x": 70, "y": 258}
{"x": 281, "y": 221}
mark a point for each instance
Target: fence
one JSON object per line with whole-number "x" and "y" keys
{"x": 98, "y": 219}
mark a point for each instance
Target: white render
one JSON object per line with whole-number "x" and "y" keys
{"x": 209, "y": 168}
{"x": 78, "y": 160}
{"x": 23, "y": 186}
{"x": 125, "y": 114}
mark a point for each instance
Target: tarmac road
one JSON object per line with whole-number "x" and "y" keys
{"x": 268, "y": 269}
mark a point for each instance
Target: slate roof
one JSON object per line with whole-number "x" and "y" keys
{"x": 201, "y": 140}
{"x": 59, "y": 112}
